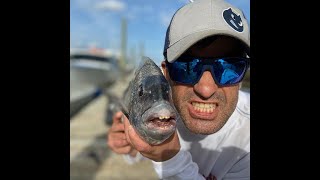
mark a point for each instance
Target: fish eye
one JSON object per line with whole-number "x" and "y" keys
{"x": 140, "y": 91}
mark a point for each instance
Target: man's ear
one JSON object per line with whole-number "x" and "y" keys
{"x": 164, "y": 69}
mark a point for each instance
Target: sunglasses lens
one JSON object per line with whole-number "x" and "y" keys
{"x": 229, "y": 71}
{"x": 226, "y": 71}
{"x": 186, "y": 72}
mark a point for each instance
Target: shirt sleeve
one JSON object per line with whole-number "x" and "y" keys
{"x": 240, "y": 170}
{"x": 180, "y": 166}
{"x": 131, "y": 160}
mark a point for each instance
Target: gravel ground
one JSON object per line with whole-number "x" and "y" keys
{"x": 90, "y": 157}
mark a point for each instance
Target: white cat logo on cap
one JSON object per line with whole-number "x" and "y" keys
{"x": 233, "y": 20}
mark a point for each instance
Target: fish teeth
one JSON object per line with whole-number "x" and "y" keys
{"x": 164, "y": 117}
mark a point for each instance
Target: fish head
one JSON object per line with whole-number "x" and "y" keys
{"x": 152, "y": 112}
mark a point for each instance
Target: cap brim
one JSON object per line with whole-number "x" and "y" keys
{"x": 178, "y": 48}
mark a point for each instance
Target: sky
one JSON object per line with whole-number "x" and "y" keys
{"x": 97, "y": 23}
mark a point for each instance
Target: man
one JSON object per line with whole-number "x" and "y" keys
{"x": 206, "y": 56}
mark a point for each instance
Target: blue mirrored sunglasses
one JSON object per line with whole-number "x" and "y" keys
{"x": 225, "y": 71}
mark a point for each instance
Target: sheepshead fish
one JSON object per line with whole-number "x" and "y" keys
{"x": 147, "y": 103}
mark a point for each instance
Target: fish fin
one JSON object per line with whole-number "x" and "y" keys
{"x": 143, "y": 61}
{"x": 124, "y": 109}
{"x": 121, "y": 105}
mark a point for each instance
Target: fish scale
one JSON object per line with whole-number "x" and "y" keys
{"x": 147, "y": 99}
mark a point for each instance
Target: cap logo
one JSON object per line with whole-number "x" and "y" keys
{"x": 233, "y": 20}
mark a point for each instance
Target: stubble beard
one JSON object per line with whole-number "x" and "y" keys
{"x": 205, "y": 127}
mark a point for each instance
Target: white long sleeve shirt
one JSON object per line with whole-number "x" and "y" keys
{"x": 222, "y": 155}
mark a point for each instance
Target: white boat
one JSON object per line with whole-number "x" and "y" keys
{"x": 90, "y": 73}
{"x": 98, "y": 69}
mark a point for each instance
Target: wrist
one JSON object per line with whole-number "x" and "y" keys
{"x": 133, "y": 153}
{"x": 166, "y": 155}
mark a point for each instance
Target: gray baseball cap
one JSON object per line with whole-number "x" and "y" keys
{"x": 201, "y": 19}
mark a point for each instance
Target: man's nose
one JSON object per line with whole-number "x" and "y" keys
{"x": 206, "y": 86}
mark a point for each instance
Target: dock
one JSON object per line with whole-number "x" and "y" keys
{"x": 90, "y": 157}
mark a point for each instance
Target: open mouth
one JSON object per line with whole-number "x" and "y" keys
{"x": 161, "y": 124}
{"x": 160, "y": 120}
{"x": 204, "y": 107}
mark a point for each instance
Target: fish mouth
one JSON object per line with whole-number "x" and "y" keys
{"x": 161, "y": 124}
{"x": 160, "y": 120}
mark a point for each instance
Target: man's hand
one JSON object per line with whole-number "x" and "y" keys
{"x": 117, "y": 140}
{"x": 161, "y": 152}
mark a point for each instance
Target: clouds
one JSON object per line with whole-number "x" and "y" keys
{"x": 111, "y": 5}
{"x": 89, "y": 24}
{"x": 137, "y": 11}
{"x": 99, "y": 21}
{"x": 94, "y": 6}
{"x": 185, "y": 1}
{"x": 165, "y": 17}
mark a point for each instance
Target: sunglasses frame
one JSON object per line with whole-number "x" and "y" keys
{"x": 208, "y": 66}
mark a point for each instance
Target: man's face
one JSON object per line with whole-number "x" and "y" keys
{"x": 206, "y": 107}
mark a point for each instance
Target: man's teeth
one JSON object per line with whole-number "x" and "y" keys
{"x": 164, "y": 117}
{"x": 204, "y": 107}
